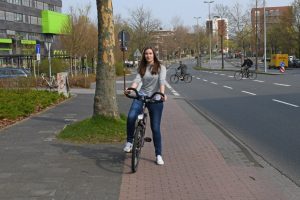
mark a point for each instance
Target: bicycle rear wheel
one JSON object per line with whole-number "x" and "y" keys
{"x": 252, "y": 75}
{"x": 187, "y": 78}
{"x": 174, "y": 78}
{"x": 238, "y": 75}
{"x": 137, "y": 147}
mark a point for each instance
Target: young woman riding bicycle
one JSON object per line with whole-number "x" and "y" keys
{"x": 152, "y": 75}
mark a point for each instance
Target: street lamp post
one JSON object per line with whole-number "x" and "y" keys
{"x": 209, "y": 2}
{"x": 256, "y": 38}
{"x": 265, "y": 37}
{"x": 48, "y": 43}
{"x": 198, "y": 51}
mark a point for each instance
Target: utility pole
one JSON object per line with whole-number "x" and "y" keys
{"x": 198, "y": 51}
{"x": 265, "y": 37}
{"x": 209, "y": 2}
{"x": 256, "y": 38}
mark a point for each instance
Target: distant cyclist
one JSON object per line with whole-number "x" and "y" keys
{"x": 183, "y": 69}
{"x": 247, "y": 64}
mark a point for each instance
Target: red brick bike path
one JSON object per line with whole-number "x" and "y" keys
{"x": 195, "y": 169}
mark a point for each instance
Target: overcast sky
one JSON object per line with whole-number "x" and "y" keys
{"x": 165, "y": 10}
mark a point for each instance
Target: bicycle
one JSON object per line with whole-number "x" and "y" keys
{"x": 51, "y": 83}
{"x": 140, "y": 126}
{"x": 174, "y": 78}
{"x": 238, "y": 75}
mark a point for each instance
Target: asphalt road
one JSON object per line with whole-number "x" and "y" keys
{"x": 263, "y": 113}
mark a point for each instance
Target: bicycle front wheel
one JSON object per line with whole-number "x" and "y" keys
{"x": 174, "y": 78}
{"x": 187, "y": 78}
{"x": 137, "y": 147}
{"x": 238, "y": 75}
{"x": 252, "y": 75}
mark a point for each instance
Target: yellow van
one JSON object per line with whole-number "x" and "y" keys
{"x": 279, "y": 59}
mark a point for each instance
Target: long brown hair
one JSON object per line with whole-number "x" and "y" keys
{"x": 143, "y": 64}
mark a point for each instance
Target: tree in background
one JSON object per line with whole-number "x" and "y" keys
{"x": 296, "y": 11}
{"x": 142, "y": 24}
{"x": 81, "y": 40}
{"x": 105, "y": 101}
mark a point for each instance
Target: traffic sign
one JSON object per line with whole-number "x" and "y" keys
{"x": 282, "y": 67}
{"x": 137, "y": 53}
{"x": 123, "y": 37}
{"x": 38, "y": 48}
{"x": 38, "y": 56}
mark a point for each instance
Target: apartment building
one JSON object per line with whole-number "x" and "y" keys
{"x": 272, "y": 15}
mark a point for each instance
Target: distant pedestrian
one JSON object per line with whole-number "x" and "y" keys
{"x": 152, "y": 75}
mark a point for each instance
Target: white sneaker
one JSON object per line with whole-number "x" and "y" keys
{"x": 128, "y": 147}
{"x": 159, "y": 160}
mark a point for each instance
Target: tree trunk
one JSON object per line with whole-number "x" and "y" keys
{"x": 105, "y": 101}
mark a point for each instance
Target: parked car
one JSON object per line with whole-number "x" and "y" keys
{"x": 11, "y": 72}
{"x": 294, "y": 63}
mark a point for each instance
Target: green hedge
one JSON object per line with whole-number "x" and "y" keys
{"x": 15, "y": 103}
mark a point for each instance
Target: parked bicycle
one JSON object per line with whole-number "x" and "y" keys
{"x": 238, "y": 75}
{"x": 174, "y": 78}
{"x": 140, "y": 126}
{"x": 51, "y": 83}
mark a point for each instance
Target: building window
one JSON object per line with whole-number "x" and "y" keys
{"x": 2, "y": 15}
{"x": 46, "y": 6}
{"x": 26, "y": 19}
{"x": 33, "y": 20}
{"x": 39, "y": 5}
{"x": 51, "y": 7}
{"x": 18, "y": 17}
{"x": 26, "y": 3}
{"x": 9, "y": 16}
{"x": 17, "y": 2}
{"x": 57, "y": 9}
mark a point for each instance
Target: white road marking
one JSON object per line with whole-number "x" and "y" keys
{"x": 285, "y": 85}
{"x": 259, "y": 81}
{"x": 230, "y": 76}
{"x": 296, "y": 106}
{"x": 249, "y": 93}
{"x": 222, "y": 74}
{"x": 198, "y": 78}
{"x": 205, "y": 80}
{"x": 227, "y": 87}
{"x": 172, "y": 90}
{"x": 214, "y": 83}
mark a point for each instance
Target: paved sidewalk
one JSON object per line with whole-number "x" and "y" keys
{"x": 200, "y": 162}
{"x": 36, "y": 166}
{"x": 201, "y": 168}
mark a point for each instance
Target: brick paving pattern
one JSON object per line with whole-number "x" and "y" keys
{"x": 195, "y": 169}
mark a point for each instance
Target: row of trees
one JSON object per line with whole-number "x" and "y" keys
{"x": 82, "y": 40}
{"x": 140, "y": 27}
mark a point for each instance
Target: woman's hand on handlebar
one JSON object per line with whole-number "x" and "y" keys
{"x": 164, "y": 98}
{"x": 127, "y": 92}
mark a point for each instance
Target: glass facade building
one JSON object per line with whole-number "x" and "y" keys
{"x": 26, "y": 23}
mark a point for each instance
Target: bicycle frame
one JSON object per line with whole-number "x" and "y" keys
{"x": 140, "y": 127}
{"x": 51, "y": 83}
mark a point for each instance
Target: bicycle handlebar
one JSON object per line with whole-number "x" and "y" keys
{"x": 150, "y": 99}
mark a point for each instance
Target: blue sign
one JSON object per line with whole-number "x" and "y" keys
{"x": 38, "y": 48}
{"x": 282, "y": 64}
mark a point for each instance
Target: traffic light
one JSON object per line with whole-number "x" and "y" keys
{"x": 209, "y": 27}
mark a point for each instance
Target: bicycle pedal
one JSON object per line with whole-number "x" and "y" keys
{"x": 147, "y": 139}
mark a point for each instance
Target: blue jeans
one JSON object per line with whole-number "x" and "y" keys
{"x": 155, "y": 113}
